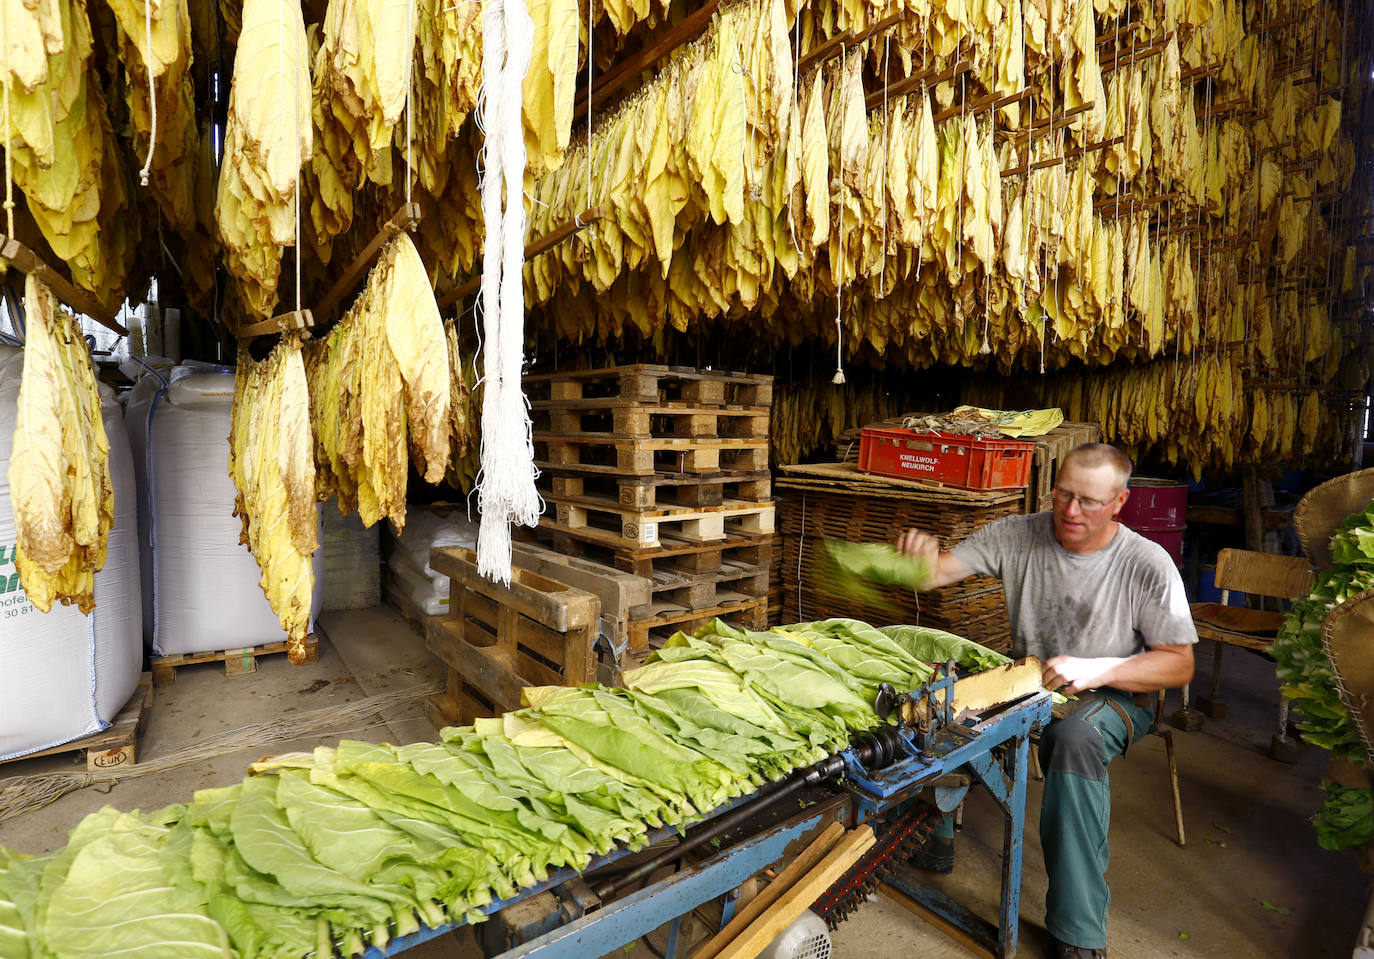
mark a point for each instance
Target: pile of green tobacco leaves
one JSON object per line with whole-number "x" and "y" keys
{"x": 353, "y": 845}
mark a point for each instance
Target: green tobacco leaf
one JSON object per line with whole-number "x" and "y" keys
{"x": 1270, "y": 907}
{"x": 118, "y": 900}
{"x": 856, "y": 570}
{"x": 938, "y": 646}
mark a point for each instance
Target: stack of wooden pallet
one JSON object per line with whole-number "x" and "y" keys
{"x": 662, "y": 472}
{"x": 835, "y": 500}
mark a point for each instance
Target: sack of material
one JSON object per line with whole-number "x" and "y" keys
{"x": 201, "y": 590}
{"x": 64, "y": 675}
{"x": 410, "y": 575}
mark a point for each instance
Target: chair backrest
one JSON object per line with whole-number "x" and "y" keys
{"x": 1264, "y": 574}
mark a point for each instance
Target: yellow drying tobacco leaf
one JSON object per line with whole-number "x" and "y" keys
{"x": 267, "y": 138}
{"x": 415, "y": 337}
{"x": 729, "y": 124}
{"x": 550, "y": 83}
{"x": 815, "y": 165}
{"x": 272, "y": 465}
{"x": 59, "y": 476}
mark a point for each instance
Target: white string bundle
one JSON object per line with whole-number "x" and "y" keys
{"x": 506, "y": 491}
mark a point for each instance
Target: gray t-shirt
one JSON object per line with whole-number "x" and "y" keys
{"x": 1114, "y": 602}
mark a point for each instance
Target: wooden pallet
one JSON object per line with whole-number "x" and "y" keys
{"x": 647, "y": 383}
{"x": 652, "y": 491}
{"x": 394, "y": 595}
{"x": 622, "y": 594}
{"x": 237, "y": 662}
{"x": 606, "y": 521}
{"x": 1050, "y": 451}
{"x": 608, "y": 454}
{"x": 666, "y": 618}
{"x": 116, "y": 745}
{"x": 648, "y": 420}
{"x": 498, "y": 639}
{"x": 670, "y": 554}
{"x": 701, "y": 590}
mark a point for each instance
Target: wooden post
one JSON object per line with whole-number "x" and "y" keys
{"x": 1254, "y": 510}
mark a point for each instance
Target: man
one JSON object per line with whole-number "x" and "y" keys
{"x": 1104, "y": 609}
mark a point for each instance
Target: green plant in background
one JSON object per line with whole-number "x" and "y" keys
{"x": 1346, "y": 819}
{"x": 1304, "y": 669}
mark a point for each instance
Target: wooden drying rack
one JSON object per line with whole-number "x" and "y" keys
{"x": 405, "y": 219}
{"x": 532, "y": 249}
{"x": 29, "y": 263}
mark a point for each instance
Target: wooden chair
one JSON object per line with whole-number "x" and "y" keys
{"x": 1260, "y": 574}
{"x": 1161, "y": 729}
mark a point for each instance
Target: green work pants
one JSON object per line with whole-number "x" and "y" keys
{"x": 1075, "y": 809}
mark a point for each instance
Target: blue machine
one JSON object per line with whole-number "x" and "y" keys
{"x": 931, "y": 752}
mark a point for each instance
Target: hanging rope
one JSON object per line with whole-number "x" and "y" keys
{"x": 506, "y": 489}
{"x": 152, "y": 90}
{"x": 838, "y": 378}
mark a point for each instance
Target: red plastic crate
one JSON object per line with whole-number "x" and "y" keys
{"x": 964, "y": 461}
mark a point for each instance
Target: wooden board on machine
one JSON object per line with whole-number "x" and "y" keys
{"x": 992, "y": 687}
{"x": 237, "y": 662}
{"x": 647, "y": 383}
{"x": 499, "y": 638}
{"x": 662, "y": 490}
{"x": 117, "y": 745}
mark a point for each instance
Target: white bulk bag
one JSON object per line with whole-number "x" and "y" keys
{"x": 64, "y": 675}
{"x": 202, "y": 591}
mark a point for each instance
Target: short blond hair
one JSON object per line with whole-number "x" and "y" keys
{"x": 1093, "y": 455}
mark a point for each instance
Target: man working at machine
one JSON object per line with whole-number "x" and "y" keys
{"x": 1104, "y": 609}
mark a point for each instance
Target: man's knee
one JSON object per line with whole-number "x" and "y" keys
{"x": 1073, "y": 746}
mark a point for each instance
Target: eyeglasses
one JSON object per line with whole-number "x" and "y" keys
{"x": 1064, "y": 498}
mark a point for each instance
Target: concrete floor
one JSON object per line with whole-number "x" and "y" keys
{"x": 1249, "y": 841}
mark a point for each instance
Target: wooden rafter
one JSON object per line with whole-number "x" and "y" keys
{"x": 26, "y": 261}
{"x": 532, "y": 249}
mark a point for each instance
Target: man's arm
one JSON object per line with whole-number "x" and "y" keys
{"x": 923, "y": 546}
{"x": 1159, "y": 667}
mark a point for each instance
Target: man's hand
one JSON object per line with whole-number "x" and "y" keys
{"x": 924, "y": 548}
{"x": 1070, "y": 675}
{"x": 920, "y": 546}
{"x": 1159, "y": 667}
